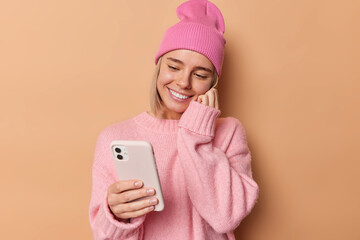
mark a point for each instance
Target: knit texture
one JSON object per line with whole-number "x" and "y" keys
{"x": 204, "y": 165}
{"x": 201, "y": 29}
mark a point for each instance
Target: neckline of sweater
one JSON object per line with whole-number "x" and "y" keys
{"x": 147, "y": 121}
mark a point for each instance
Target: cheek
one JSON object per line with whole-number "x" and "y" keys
{"x": 164, "y": 78}
{"x": 201, "y": 87}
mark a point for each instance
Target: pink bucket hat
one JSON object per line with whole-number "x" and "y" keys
{"x": 201, "y": 29}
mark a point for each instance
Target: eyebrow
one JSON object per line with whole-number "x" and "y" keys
{"x": 180, "y": 62}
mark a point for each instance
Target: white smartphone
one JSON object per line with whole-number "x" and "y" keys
{"x": 136, "y": 160}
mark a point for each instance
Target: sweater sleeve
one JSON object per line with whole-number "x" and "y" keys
{"x": 218, "y": 179}
{"x": 103, "y": 223}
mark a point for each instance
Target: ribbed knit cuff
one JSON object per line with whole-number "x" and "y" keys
{"x": 200, "y": 119}
{"x": 112, "y": 227}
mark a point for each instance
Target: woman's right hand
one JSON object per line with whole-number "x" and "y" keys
{"x": 122, "y": 193}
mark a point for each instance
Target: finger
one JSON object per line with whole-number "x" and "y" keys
{"x": 199, "y": 99}
{"x": 135, "y": 206}
{"x": 216, "y": 98}
{"x": 124, "y": 185}
{"x": 135, "y": 214}
{"x": 211, "y": 97}
{"x": 205, "y": 100}
{"x": 130, "y": 195}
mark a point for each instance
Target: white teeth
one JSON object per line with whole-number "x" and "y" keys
{"x": 178, "y": 95}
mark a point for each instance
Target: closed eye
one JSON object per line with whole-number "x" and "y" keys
{"x": 172, "y": 67}
{"x": 200, "y": 76}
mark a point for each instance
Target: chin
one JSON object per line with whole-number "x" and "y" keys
{"x": 177, "y": 109}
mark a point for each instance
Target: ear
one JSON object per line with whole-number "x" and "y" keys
{"x": 215, "y": 79}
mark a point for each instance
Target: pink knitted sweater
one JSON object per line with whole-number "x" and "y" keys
{"x": 205, "y": 173}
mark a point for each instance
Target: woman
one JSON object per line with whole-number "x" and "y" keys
{"x": 203, "y": 161}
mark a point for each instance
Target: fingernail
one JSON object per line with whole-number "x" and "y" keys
{"x": 151, "y": 208}
{"x": 137, "y": 184}
{"x": 153, "y": 201}
{"x": 150, "y": 191}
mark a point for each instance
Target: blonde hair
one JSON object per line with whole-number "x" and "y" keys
{"x": 155, "y": 100}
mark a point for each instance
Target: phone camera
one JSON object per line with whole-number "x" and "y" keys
{"x": 120, "y": 157}
{"x": 118, "y": 150}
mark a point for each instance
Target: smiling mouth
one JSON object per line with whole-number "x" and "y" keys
{"x": 178, "y": 95}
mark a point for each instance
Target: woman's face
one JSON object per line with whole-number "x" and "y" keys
{"x": 184, "y": 75}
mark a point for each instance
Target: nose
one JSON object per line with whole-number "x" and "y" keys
{"x": 184, "y": 81}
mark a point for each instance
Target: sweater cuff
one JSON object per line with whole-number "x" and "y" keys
{"x": 200, "y": 119}
{"x": 112, "y": 227}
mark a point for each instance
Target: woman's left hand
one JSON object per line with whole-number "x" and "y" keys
{"x": 210, "y": 98}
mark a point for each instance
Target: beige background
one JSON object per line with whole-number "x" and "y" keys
{"x": 291, "y": 75}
